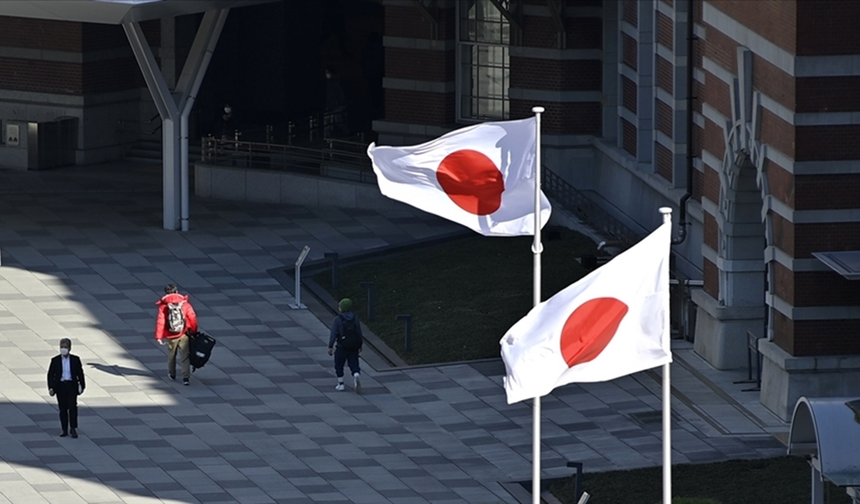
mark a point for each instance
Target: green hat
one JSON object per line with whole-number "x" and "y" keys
{"x": 345, "y": 304}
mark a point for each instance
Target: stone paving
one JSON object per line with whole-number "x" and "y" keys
{"x": 84, "y": 256}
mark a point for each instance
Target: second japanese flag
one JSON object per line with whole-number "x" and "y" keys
{"x": 611, "y": 323}
{"x": 481, "y": 176}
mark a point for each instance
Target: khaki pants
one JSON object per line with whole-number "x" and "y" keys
{"x": 181, "y": 344}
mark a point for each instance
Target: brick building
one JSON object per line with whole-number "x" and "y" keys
{"x": 771, "y": 131}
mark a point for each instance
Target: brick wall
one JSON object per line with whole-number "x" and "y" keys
{"x": 711, "y": 184}
{"x": 816, "y": 337}
{"x": 556, "y": 75}
{"x": 664, "y": 118}
{"x": 584, "y": 33}
{"x": 628, "y": 94}
{"x": 580, "y": 118}
{"x": 780, "y": 183}
{"x": 629, "y": 51}
{"x": 628, "y": 137}
{"x": 664, "y": 161}
{"x": 775, "y": 20}
{"x": 665, "y": 30}
{"x": 406, "y": 21}
{"x": 40, "y": 34}
{"x": 419, "y": 107}
{"x": 827, "y": 143}
{"x": 828, "y": 94}
{"x": 827, "y": 27}
{"x": 710, "y": 231}
{"x": 710, "y": 278}
{"x": 665, "y": 75}
{"x": 630, "y": 12}
{"x": 41, "y": 76}
{"x": 418, "y": 64}
{"x": 826, "y": 192}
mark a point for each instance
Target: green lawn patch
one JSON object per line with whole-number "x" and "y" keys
{"x": 463, "y": 295}
{"x": 781, "y": 480}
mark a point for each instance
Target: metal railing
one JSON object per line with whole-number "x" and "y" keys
{"x": 586, "y": 210}
{"x": 341, "y": 159}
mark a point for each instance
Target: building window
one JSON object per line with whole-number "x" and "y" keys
{"x": 484, "y": 67}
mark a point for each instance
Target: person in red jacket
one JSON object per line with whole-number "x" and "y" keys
{"x": 176, "y": 319}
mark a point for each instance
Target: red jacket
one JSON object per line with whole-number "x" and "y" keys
{"x": 161, "y": 331}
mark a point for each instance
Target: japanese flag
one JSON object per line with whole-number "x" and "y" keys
{"x": 480, "y": 176}
{"x": 611, "y": 323}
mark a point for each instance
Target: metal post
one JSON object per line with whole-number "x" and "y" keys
{"x": 298, "y": 304}
{"x": 333, "y": 257}
{"x": 667, "y": 394}
{"x": 577, "y": 489}
{"x": 370, "y": 300}
{"x": 537, "y": 248}
{"x": 407, "y": 337}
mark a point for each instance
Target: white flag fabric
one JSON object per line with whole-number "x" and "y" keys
{"x": 480, "y": 176}
{"x": 609, "y": 324}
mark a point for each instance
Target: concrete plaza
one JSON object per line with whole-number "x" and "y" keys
{"x": 84, "y": 256}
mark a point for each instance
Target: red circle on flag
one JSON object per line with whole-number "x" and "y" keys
{"x": 590, "y": 327}
{"x": 472, "y": 181}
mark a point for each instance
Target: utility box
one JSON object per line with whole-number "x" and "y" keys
{"x": 52, "y": 143}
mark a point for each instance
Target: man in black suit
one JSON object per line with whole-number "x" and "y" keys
{"x": 66, "y": 381}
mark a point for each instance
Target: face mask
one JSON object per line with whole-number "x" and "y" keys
{"x": 227, "y": 110}
{"x": 64, "y": 351}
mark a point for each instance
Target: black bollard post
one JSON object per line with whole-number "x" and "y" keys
{"x": 369, "y": 287}
{"x": 407, "y": 338}
{"x": 333, "y": 257}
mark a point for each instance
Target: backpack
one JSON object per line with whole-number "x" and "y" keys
{"x": 349, "y": 337}
{"x": 175, "y": 318}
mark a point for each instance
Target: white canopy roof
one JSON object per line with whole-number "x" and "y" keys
{"x": 114, "y": 11}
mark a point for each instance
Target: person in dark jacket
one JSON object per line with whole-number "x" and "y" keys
{"x": 345, "y": 353}
{"x": 66, "y": 381}
{"x": 177, "y": 337}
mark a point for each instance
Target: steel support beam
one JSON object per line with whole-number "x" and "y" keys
{"x": 175, "y": 108}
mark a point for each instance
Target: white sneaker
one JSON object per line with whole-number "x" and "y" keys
{"x": 340, "y": 387}
{"x": 357, "y": 382}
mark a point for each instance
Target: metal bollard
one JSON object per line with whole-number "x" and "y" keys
{"x": 333, "y": 257}
{"x": 407, "y": 338}
{"x": 298, "y": 305}
{"x": 370, "y": 296}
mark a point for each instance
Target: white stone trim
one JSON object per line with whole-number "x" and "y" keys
{"x": 665, "y": 53}
{"x": 629, "y": 30}
{"x": 418, "y": 43}
{"x": 699, "y": 119}
{"x": 555, "y": 96}
{"x": 812, "y": 312}
{"x": 628, "y": 116}
{"x": 666, "y": 10}
{"x": 714, "y": 115}
{"x": 776, "y": 254}
{"x": 827, "y": 66}
{"x": 826, "y": 167}
{"x": 664, "y": 140}
{"x": 812, "y": 216}
{"x": 628, "y": 72}
{"x": 711, "y": 160}
{"x": 418, "y": 85}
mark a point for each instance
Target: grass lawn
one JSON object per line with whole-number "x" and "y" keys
{"x": 463, "y": 295}
{"x": 783, "y": 480}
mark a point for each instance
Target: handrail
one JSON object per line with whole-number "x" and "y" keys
{"x": 574, "y": 201}
{"x": 327, "y": 161}
{"x": 121, "y": 122}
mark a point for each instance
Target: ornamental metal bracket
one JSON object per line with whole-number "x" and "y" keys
{"x": 430, "y": 14}
{"x": 512, "y": 17}
{"x": 556, "y": 10}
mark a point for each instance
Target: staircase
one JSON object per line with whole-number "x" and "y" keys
{"x": 149, "y": 151}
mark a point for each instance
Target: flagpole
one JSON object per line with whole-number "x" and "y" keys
{"x": 667, "y": 393}
{"x": 537, "y": 248}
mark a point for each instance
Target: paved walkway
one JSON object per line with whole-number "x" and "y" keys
{"x": 83, "y": 256}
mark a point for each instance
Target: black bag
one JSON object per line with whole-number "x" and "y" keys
{"x": 349, "y": 337}
{"x": 200, "y": 349}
